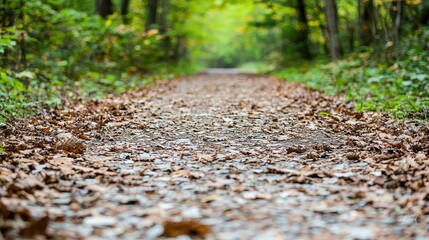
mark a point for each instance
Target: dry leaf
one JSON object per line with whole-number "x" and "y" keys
{"x": 190, "y": 228}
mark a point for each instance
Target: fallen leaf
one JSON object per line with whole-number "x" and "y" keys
{"x": 190, "y": 228}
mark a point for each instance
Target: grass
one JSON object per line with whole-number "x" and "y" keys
{"x": 19, "y": 101}
{"x": 399, "y": 91}
{"x": 256, "y": 67}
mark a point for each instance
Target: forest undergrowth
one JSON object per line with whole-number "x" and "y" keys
{"x": 399, "y": 85}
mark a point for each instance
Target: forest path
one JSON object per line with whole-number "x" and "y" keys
{"x": 215, "y": 156}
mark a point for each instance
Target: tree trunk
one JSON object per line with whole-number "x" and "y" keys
{"x": 303, "y": 39}
{"x": 332, "y": 24}
{"x": 367, "y": 23}
{"x": 104, "y": 8}
{"x": 322, "y": 27}
{"x": 163, "y": 16}
{"x": 152, "y": 14}
{"x": 163, "y": 29}
{"x": 397, "y": 11}
{"x": 23, "y": 51}
{"x": 424, "y": 15}
{"x": 124, "y": 10}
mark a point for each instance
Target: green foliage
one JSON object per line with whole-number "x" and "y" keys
{"x": 257, "y": 67}
{"x": 51, "y": 49}
{"x": 400, "y": 87}
{"x": 80, "y": 43}
{"x": 226, "y": 34}
{"x": 23, "y": 92}
{"x": 9, "y": 38}
{"x": 70, "y": 52}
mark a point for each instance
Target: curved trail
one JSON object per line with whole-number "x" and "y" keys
{"x": 242, "y": 156}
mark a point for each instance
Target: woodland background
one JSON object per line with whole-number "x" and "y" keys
{"x": 373, "y": 52}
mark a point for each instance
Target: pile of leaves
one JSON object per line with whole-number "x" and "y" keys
{"x": 27, "y": 155}
{"x": 399, "y": 150}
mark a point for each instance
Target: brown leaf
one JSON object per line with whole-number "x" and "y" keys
{"x": 206, "y": 157}
{"x": 32, "y": 223}
{"x": 296, "y": 149}
{"x": 190, "y": 228}
{"x": 27, "y": 184}
{"x": 71, "y": 145}
{"x": 352, "y": 156}
{"x": 35, "y": 227}
{"x": 185, "y": 174}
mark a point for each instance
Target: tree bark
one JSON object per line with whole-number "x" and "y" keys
{"x": 397, "y": 11}
{"x": 303, "y": 39}
{"x": 152, "y": 14}
{"x": 163, "y": 29}
{"x": 163, "y": 16}
{"x": 23, "y": 51}
{"x": 124, "y": 10}
{"x": 322, "y": 27}
{"x": 332, "y": 24}
{"x": 104, "y": 8}
{"x": 367, "y": 23}
{"x": 424, "y": 15}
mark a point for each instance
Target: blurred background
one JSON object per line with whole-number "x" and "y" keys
{"x": 372, "y": 51}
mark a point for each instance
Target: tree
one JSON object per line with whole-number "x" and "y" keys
{"x": 104, "y": 8}
{"x": 397, "y": 11}
{"x": 22, "y": 44}
{"x": 163, "y": 27}
{"x": 318, "y": 15}
{"x": 124, "y": 10}
{"x": 303, "y": 39}
{"x": 163, "y": 16}
{"x": 332, "y": 24}
{"x": 152, "y": 14}
{"x": 367, "y": 25}
{"x": 424, "y": 15}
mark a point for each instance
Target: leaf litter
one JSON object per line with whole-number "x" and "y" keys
{"x": 215, "y": 157}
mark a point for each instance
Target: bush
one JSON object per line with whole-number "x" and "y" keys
{"x": 400, "y": 87}
{"x": 68, "y": 51}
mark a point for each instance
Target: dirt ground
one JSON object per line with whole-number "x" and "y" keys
{"x": 215, "y": 156}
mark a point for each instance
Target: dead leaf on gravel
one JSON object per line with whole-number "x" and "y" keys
{"x": 252, "y": 195}
{"x": 62, "y": 162}
{"x": 186, "y": 174}
{"x": 206, "y": 157}
{"x": 27, "y": 184}
{"x": 35, "y": 228}
{"x": 16, "y": 214}
{"x": 352, "y": 156}
{"x": 71, "y": 145}
{"x": 190, "y": 228}
{"x": 296, "y": 149}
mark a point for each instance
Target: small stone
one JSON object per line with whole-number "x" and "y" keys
{"x": 311, "y": 126}
{"x": 100, "y": 221}
{"x": 155, "y": 232}
{"x": 145, "y": 157}
{"x": 192, "y": 212}
{"x": 361, "y": 233}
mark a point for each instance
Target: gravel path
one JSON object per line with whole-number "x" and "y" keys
{"x": 216, "y": 156}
